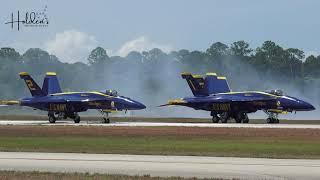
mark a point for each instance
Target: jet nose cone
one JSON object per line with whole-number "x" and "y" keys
{"x": 139, "y": 105}
{"x": 305, "y": 106}
{"x": 309, "y": 107}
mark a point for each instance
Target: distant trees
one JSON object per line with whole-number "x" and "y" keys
{"x": 155, "y": 72}
{"x": 98, "y": 56}
{"x": 240, "y": 49}
{"x": 312, "y": 67}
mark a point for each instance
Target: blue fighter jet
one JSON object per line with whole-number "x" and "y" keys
{"x": 212, "y": 93}
{"x": 62, "y": 105}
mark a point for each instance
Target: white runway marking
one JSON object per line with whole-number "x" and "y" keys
{"x": 155, "y": 124}
{"x": 186, "y": 166}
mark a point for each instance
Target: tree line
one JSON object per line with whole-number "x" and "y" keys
{"x": 154, "y": 74}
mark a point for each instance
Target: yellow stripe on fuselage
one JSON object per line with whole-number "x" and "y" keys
{"x": 259, "y": 92}
{"x": 92, "y": 92}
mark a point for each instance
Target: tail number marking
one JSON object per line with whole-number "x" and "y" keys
{"x": 30, "y": 85}
{"x": 221, "y": 107}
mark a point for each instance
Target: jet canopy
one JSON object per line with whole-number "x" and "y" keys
{"x": 111, "y": 92}
{"x": 276, "y": 92}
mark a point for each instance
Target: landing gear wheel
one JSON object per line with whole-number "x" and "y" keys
{"x": 273, "y": 117}
{"x": 270, "y": 120}
{"x": 238, "y": 117}
{"x": 246, "y": 119}
{"x": 106, "y": 120}
{"x": 224, "y": 117}
{"x": 76, "y": 119}
{"x": 52, "y": 119}
{"x": 241, "y": 117}
{"x": 215, "y": 119}
{"x": 224, "y": 120}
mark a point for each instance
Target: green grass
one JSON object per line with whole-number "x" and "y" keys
{"x": 6, "y": 175}
{"x": 240, "y": 147}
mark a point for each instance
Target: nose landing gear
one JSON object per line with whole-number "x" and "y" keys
{"x": 105, "y": 117}
{"x": 272, "y": 117}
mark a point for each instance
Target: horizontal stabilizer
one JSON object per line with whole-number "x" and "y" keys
{"x": 174, "y": 102}
{"x": 9, "y": 103}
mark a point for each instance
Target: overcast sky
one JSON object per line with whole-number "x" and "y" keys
{"x": 75, "y": 27}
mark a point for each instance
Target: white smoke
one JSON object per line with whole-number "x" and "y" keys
{"x": 141, "y": 44}
{"x": 71, "y": 46}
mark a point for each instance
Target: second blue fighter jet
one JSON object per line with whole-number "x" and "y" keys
{"x": 212, "y": 93}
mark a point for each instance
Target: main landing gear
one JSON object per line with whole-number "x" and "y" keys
{"x": 272, "y": 117}
{"x": 60, "y": 115}
{"x": 105, "y": 117}
{"x": 224, "y": 117}
{"x": 216, "y": 117}
{"x": 241, "y": 117}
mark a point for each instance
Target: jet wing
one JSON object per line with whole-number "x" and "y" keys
{"x": 216, "y": 99}
{"x": 220, "y": 99}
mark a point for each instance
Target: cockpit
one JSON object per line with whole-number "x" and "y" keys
{"x": 276, "y": 92}
{"x": 111, "y": 92}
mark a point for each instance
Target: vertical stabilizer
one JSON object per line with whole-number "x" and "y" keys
{"x": 51, "y": 84}
{"x": 211, "y": 84}
{"x": 31, "y": 84}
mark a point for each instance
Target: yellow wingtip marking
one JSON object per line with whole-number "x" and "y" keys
{"x": 23, "y": 73}
{"x": 51, "y": 73}
{"x": 196, "y": 76}
{"x": 221, "y": 77}
{"x": 185, "y": 73}
{"x": 211, "y": 74}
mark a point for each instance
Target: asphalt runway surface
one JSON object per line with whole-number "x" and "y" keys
{"x": 184, "y": 166}
{"x": 155, "y": 124}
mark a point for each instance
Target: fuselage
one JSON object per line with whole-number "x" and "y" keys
{"x": 247, "y": 101}
{"x": 81, "y": 101}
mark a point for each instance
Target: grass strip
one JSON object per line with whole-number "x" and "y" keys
{"x": 34, "y": 175}
{"x": 235, "y": 147}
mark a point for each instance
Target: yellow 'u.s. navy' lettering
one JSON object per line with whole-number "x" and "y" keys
{"x": 221, "y": 107}
{"x": 57, "y": 107}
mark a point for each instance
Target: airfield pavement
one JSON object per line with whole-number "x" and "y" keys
{"x": 157, "y": 165}
{"x": 159, "y": 124}
{"x": 184, "y": 166}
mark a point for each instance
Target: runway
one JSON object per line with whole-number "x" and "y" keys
{"x": 185, "y": 166}
{"x": 155, "y": 124}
